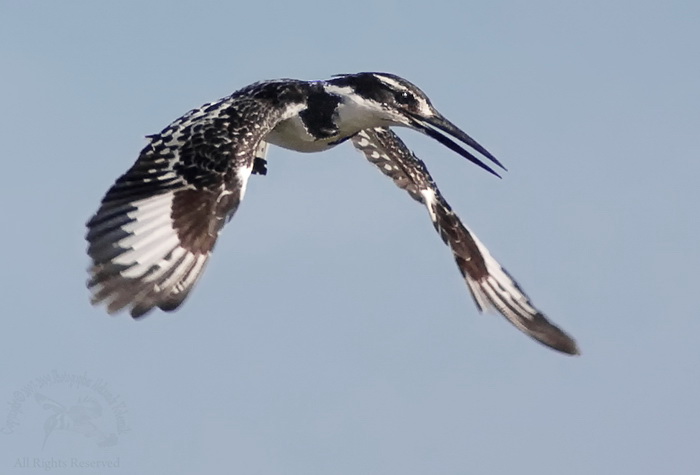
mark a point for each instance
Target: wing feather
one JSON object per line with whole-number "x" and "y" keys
{"x": 489, "y": 283}
{"x": 157, "y": 225}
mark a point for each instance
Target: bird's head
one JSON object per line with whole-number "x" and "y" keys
{"x": 390, "y": 100}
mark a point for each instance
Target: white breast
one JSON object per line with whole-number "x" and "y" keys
{"x": 291, "y": 134}
{"x": 352, "y": 115}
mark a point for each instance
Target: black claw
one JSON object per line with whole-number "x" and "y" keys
{"x": 259, "y": 166}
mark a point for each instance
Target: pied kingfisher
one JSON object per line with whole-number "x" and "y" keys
{"x": 157, "y": 225}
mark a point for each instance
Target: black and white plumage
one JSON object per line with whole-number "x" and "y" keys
{"x": 489, "y": 283}
{"x": 156, "y": 227}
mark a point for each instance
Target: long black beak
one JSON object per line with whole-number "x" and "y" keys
{"x": 433, "y": 127}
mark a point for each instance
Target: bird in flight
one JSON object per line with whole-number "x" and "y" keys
{"x": 156, "y": 227}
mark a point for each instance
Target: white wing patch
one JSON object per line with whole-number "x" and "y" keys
{"x": 496, "y": 289}
{"x": 139, "y": 251}
{"x": 502, "y": 284}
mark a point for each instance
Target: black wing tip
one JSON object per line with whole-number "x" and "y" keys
{"x": 565, "y": 345}
{"x": 138, "y": 312}
{"x": 117, "y": 301}
{"x": 552, "y": 336}
{"x": 168, "y": 304}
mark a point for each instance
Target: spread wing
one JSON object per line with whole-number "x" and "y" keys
{"x": 157, "y": 225}
{"x": 490, "y": 285}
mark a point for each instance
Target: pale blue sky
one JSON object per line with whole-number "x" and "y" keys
{"x": 332, "y": 333}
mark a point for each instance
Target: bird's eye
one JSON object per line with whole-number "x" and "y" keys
{"x": 404, "y": 98}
